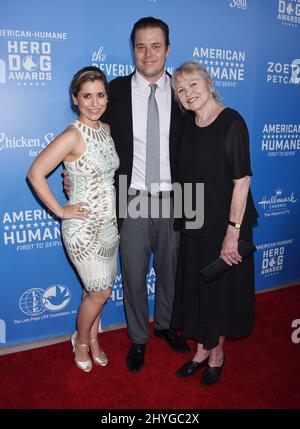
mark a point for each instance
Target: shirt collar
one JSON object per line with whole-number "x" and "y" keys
{"x": 143, "y": 84}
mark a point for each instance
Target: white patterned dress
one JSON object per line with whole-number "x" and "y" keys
{"x": 92, "y": 244}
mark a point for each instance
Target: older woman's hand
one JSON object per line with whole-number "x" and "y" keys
{"x": 229, "y": 252}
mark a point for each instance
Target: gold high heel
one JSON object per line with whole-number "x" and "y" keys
{"x": 101, "y": 360}
{"x": 86, "y": 365}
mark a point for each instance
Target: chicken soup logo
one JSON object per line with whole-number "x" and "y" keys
{"x": 280, "y": 140}
{"x": 239, "y": 4}
{"x": 29, "y": 230}
{"x": 272, "y": 257}
{"x": 36, "y": 301}
{"x": 33, "y": 145}
{"x": 225, "y": 66}
{"x": 26, "y": 56}
{"x": 279, "y": 73}
{"x": 278, "y": 204}
{"x": 289, "y": 12}
{"x": 111, "y": 70}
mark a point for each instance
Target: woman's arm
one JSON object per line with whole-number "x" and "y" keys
{"x": 229, "y": 251}
{"x": 44, "y": 164}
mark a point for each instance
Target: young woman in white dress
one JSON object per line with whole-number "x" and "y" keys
{"x": 89, "y": 227}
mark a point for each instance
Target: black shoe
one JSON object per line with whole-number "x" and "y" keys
{"x": 135, "y": 357}
{"x": 190, "y": 367}
{"x": 212, "y": 374}
{"x": 175, "y": 341}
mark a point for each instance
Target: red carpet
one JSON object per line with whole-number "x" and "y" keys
{"x": 261, "y": 371}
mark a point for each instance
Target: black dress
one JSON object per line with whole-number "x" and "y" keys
{"x": 214, "y": 155}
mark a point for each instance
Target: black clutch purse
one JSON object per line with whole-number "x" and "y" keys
{"x": 218, "y": 267}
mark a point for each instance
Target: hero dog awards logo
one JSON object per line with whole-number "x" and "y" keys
{"x": 289, "y": 12}
{"x": 273, "y": 256}
{"x": 26, "y": 56}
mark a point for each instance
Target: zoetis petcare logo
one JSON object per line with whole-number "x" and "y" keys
{"x": 289, "y": 12}
{"x": 225, "y": 66}
{"x": 239, "y": 4}
{"x": 280, "y": 73}
{"x": 28, "y": 230}
{"x": 277, "y": 204}
{"x": 26, "y": 56}
{"x": 273, "y": 256}
{"x": 100, "y": 59}
{"x": 280, "y": 140}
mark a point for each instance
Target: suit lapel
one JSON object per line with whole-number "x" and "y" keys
{"x": 124, "y": 111}
{"x": 175, "y": 126}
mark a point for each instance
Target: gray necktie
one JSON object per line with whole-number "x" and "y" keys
{"x": 153, "y": 146}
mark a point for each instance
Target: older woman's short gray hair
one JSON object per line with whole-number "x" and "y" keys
{"x": 192, "y": 68}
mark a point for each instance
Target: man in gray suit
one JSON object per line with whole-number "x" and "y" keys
{"x": 131, "y": 128}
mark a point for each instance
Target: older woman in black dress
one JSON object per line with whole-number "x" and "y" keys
{"x": 214, "y": 150}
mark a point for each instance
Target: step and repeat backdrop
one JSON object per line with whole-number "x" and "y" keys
{"x": 251, "y": 49}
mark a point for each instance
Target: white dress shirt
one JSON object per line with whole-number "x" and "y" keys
{"x": 140, "y": 91}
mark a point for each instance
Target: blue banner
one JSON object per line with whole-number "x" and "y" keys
{"x": 250, "y": 48}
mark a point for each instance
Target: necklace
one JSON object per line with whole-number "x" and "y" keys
{"x": 210, "y": 118}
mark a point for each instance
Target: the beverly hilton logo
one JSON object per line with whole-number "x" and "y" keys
{"x": 289, "y": 12}
{"x": 278, "y": 204}
{"x": 100, "y": 59}
{"x": 225, "y": 66}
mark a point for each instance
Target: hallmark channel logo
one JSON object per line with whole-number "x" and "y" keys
{"x": 289, "y": 12}
{"x": 225, "y": 66}
{"x": 239, "y": 4}
{"x": 273, "y": 256}
{"x": 34, "y": 145}
{"x": 277, "y": 204}
{"x": 28, "y": 230}
{"x": 36, "y": 301}
{"x": 280, "y": 140}
{"x": 111, "y": 70}
{"x": 283, "y": 73}
{"x": 26, "y": 56}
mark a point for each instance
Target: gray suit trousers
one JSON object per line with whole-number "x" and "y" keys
{"x": 138, "y": 238}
